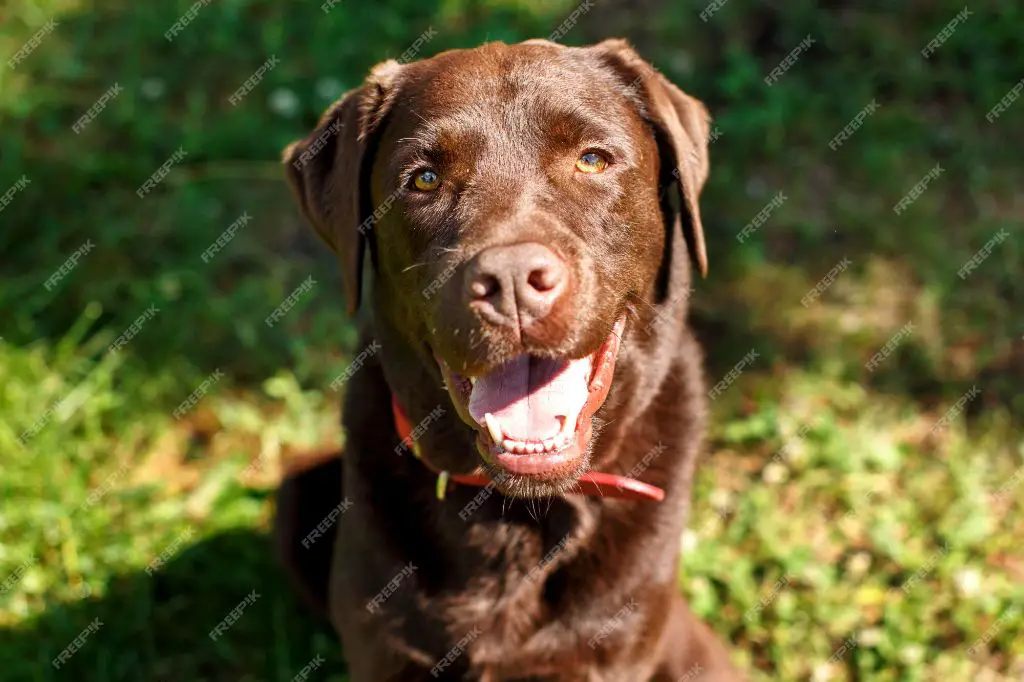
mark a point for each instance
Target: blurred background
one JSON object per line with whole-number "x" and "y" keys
{"x": 864, "y": 478}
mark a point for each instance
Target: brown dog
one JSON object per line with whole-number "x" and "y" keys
{"x": 530, "y": 281}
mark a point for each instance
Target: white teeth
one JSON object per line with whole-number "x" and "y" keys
{"x": 519, "y": 447}
{"x": 494, "y": 428}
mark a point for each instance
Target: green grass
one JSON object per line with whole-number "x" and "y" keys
{"x": 861, "y": 500}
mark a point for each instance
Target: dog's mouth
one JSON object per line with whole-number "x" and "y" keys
{"x": 533, "y": 414}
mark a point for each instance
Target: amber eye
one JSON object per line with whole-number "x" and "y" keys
{"x": 426, "y": 180}
{"x": 591, "y": 162}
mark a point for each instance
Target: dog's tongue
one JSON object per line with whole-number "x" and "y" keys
{"x": 531, "y": 397}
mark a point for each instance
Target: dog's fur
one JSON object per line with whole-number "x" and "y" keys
{"x": 535, "y": 584}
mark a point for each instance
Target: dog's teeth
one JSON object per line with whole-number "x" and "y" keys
{"x": 494, "y": 428}
{"x": 508, "y": 444}
{"x": 472, "y": 381}
{"x": 549, "y": 444}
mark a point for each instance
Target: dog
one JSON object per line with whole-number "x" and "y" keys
{"x": 525, "y": 414}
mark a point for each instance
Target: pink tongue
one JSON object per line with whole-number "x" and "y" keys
{"x": 528, "y": 396}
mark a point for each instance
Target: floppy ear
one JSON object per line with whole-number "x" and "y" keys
{"x": 329, "y": 171}
{"x": 682, "y": 124}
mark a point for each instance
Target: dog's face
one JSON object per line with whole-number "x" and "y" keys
{"x": 513, "y": 199}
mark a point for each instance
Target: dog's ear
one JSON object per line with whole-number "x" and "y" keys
{"x": 682, "y": 124}
{"x": 329, "y": 170}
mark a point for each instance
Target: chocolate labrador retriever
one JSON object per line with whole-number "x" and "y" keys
{"x": 525, "y": 416}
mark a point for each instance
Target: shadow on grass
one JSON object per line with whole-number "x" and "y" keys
{"x": 157, "y": 627}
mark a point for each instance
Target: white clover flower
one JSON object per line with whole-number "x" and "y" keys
{"x": 153, "y": 88}
{"x": 329, "y": 88}
{"x": 774, "y": 473}
{"x": 968, "y": 580}
{"x": 284, "y": 102}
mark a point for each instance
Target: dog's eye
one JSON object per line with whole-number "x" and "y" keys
{"x": 591, "y": 162}
{"x": 426, "y": 181}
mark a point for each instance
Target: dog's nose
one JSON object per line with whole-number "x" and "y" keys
{"x": 519, "y": 280}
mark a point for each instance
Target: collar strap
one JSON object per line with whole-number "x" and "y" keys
{"x": 592, "y": 483}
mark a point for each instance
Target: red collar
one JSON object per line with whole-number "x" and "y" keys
{"x": 592, "y": 483}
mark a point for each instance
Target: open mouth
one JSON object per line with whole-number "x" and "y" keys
{"x": 533, "y": 414}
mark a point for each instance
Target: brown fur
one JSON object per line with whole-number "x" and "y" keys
{"x": 504, "y": 124}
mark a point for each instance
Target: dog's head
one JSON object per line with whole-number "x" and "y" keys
{"x": 513, "y": 201}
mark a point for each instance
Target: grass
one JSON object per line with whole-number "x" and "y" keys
{"x": 828, "y": 507}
